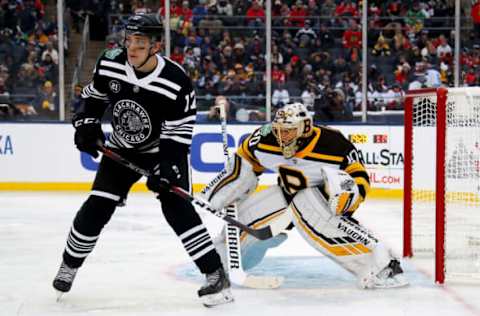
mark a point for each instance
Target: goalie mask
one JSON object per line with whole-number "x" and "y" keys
{"x": 291, "y": 123}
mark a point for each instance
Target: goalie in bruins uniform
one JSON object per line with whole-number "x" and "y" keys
{"x": 321, "y": 182}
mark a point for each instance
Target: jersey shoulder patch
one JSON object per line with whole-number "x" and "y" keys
{"x": 112, "y": 53}
{"x": 266, "y": 129}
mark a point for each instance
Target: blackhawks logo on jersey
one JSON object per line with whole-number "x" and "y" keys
{"x": 131, "y": 122}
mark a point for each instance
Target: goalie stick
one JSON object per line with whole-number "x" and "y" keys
{"x": 261, "y": 233}
{"x": 233, "y": 245}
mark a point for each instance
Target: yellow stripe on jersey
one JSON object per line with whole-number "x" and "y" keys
{"x": 308, "y": 151}
{"x": 334, "y": 249}
{"x": 338, "y": 159}
{"x": 360, "y": 175}
{"x": 356, "y": 166}
{"x": 263, "y": 222}
{"x": 244, "y": 152}
{"x": 360, "y": 181}
{"x": 311, "y": 145}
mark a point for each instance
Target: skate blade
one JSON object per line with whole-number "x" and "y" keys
{"x": 223, "y": 297}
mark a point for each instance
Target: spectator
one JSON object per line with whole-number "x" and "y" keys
{"x": 352, "y": 40}
{"x": 225, "y": 10}
{"x": 346, "y": 8}
{"x": 214, "y": 111}
{"x": 328, "y": 8}
{"x": 280, "y": 96}
{"x": 185, "y": 18}
{"x": 381, "y": 48}
{"x": 415, "y": 18}
{"x": 140, "y": 8}
{"x": 77, "y": 100}
{"x": 332, "y": 107}
{"x": 470, "y": 79}
{"x": 444, "y": 51}
{"x": 278, "y": 75}
{"x": 239, "y": 55}
{"x": 326, "y": 37}
{"x": 46, "y": 103}
{"x": 199, "y": 12}
{"x": 298, "y": 14}
{"x": 306, "y": 35}
{"x": 309, "y": 94}
{"x": 255, "y": 15}
{"x": 432, "y": 75}
{"x": 394, "y": 98}
{"x": 402, "y": 71}
{"x": 177, "y": 55}
{"x": 400, "y": 41}
{"x": 48, "y": 70}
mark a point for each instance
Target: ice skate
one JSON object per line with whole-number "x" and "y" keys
{"x": 64, "y": 279}
{"x": 216, "y": 290}
{"x": 390, "y": 277}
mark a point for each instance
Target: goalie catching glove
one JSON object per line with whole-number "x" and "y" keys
{"x": 340, "y": 191}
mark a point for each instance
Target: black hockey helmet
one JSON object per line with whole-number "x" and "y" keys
{"x": 144, "y": 24}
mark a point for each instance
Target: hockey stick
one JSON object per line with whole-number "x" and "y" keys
{"x": 232, "y": 233}
{"x": 261, "y": 233}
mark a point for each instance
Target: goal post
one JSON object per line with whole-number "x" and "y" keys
{"x": 442, "y": 180}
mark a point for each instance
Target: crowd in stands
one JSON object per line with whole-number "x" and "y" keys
{"x": 28, "y": 59}
{"x": 316, "y": 50}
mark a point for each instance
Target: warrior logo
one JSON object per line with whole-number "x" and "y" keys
{"x": 114, "y": 86}
{"x": 131, "y": 122}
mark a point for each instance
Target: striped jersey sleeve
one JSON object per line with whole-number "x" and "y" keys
{"x": 353, "y": 165}
{"x": 177, "y": 128}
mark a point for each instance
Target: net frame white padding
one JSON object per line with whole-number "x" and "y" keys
{"x": 442, "y": 154}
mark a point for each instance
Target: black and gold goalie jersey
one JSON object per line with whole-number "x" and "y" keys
{"x": 148, "y": 111}
{"x": 326, "y": 147}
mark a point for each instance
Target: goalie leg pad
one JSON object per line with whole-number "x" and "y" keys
{"x": 231, "y": 184}
{"x": 342, "y": 240}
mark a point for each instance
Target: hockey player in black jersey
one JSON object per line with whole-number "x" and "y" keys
{"x": 153, "y": 111}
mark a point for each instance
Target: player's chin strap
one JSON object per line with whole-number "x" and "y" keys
{"x": 261, "y": 233}
{"x": 146, "y": 59}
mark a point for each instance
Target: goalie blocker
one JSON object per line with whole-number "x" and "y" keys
{"x": 321, "y": 184}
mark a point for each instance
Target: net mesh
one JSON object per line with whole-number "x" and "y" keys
{"x": 462, "y": 180}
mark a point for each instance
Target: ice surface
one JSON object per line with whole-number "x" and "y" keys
{"x": 140, "y": 268}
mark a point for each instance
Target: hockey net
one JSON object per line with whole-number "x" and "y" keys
{"x": 442, "y": 180}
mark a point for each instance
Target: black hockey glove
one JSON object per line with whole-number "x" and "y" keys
{"x": 164, "y": 174}
{"x": 88, "y": 131}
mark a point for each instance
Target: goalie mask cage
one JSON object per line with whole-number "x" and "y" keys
{"x": 442, "y": 180}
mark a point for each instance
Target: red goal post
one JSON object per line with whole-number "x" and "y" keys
{"x": 442, "y": 179}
